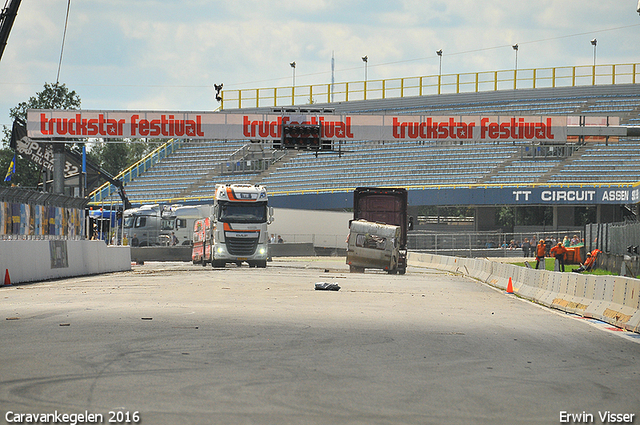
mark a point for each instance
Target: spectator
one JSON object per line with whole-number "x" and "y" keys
{"x": 541, "y": 250}
{"x": 566, "y": 241}
{"x": 174, "y": 239}
{"x": 558, "y": 252}
{"x": 575, "y": 240}
{"x": 134, "y": 240}
{"x": 280, "y": 240}
{"x": 526, "y": 246}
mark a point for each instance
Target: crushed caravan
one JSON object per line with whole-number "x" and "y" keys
{"x": 373, "y": 245}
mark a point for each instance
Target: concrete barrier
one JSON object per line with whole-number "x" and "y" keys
{"x": 38, "y": 260}
{"x": 611, "y": 299}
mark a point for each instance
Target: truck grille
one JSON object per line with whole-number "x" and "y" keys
{"x": 242, "y": 247}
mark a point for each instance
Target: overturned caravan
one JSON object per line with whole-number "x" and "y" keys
{"x": 373, "y": 246}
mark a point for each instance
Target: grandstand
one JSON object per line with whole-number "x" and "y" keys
{"x": 191, "y": 172}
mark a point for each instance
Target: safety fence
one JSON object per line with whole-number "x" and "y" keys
{"x": 486, "y": 244}
{"x": 611, "y": 299}
{"x": 27, "y": 214}
{"x": 472, "y": 82}
{"x": 614, "y": 238}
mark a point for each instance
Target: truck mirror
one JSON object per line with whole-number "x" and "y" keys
{"x": 271, "y": 219}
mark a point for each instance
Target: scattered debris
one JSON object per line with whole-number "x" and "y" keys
{"x": 65, "y": 324}
{"x": 147, "y": 318}
{"x": 13, "y": 318}
{"x": 327, "y": 286}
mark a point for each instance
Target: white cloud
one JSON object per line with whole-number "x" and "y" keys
{"x": 153, "y": 54}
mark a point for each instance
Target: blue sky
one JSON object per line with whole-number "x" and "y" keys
{"x": 167, "y": 54}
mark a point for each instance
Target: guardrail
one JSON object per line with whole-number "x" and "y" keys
{"x": 471, "y": 82}
{"x": 611, "y": 299}
{"x": 104, "y": 192}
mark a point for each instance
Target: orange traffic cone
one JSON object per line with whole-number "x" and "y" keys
{"x": 7, "y": 279}
{"x": 510, "y": 287}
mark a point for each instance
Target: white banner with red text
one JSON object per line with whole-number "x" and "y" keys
{"x": 236, "y": 126}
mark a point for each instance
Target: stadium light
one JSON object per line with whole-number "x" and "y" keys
{"x": 293, "y": 66}
{"x": 594, "y": 43}
{"x": 365, "y": 59}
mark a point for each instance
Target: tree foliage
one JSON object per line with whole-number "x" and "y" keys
{"x": 112, "y": 157}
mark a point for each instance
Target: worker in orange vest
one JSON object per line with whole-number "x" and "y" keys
{"x": 559, "y": 251}
{"x": 540, "y": 251}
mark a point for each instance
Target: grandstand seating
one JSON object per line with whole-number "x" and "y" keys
{"x": 190, "y": 171}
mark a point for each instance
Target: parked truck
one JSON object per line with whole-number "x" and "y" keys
{"x": 143, "y": 223}
{"x": 179, "y": 220}
{"x": 385, "y": 206}
{"x": 236, "y": 231}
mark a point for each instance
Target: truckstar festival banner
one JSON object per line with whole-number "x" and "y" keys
{"x": 235, "y": 126}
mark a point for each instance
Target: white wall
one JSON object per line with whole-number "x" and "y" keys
{"x": 323, "y": 228}
{"x": 30, "y": 260}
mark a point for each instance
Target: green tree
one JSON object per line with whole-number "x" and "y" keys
{"x": 53, "y": 96}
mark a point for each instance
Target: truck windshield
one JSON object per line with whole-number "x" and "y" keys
{"x": 128, "y": 221}
{"x": 167, "y": 224}
{"x": 237, "y": 212}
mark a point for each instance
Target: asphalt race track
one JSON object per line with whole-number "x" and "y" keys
{"x": 174, "y": 343}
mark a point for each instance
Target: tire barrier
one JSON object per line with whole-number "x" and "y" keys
{"x": 611, "y": 299}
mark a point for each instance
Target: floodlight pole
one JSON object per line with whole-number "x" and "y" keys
{"x": 365, "y": 59}
{"x": 439, "y": 53}
{"x": 594, "y": 43}
{"x": 515, "y": 69}
{"x": 293, "y": 67}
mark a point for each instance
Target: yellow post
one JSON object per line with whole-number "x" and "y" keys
{"x": 275, "y": 96}
{"x": 593, "y": 78}
{"x": 329, "y": 93}
{"x": 293, "y": 95}
{"x": 384, "y": 89}
{"x": 239, "y": 99}
{"x": 439, "y": 81}
{"x": 573, "y": 77}
{"x": 257, "y": 98}
{"x": 401, "y": 87}
{"x": 420, "y": 86}
{"x": 534, "y": 78}
{"x": 346, "y": 92}
{"x": 477, "y": 83}
{"x": 553, "y": 77}
{"x": 311, "y": 94}
{"x": 365, "y": 90}
{"x": 515, "y": 78}
{"x": 613, "y": 74}
{"x": 495, "y": 81}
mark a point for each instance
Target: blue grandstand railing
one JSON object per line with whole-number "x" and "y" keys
{"x": 565, "y": 76}
{"x": 105, "y": 192}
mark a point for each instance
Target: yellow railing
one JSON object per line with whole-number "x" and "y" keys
{"x": 472, "y": 82}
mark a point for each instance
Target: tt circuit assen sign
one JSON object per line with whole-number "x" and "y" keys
{"x": 234, "y": 126}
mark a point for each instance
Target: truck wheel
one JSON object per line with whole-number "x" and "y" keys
{"x": 356, "y": 269}
{"x": 262, "y": 264}
{"x": 217, "y": 264}
{"x": 402, "y": 271}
